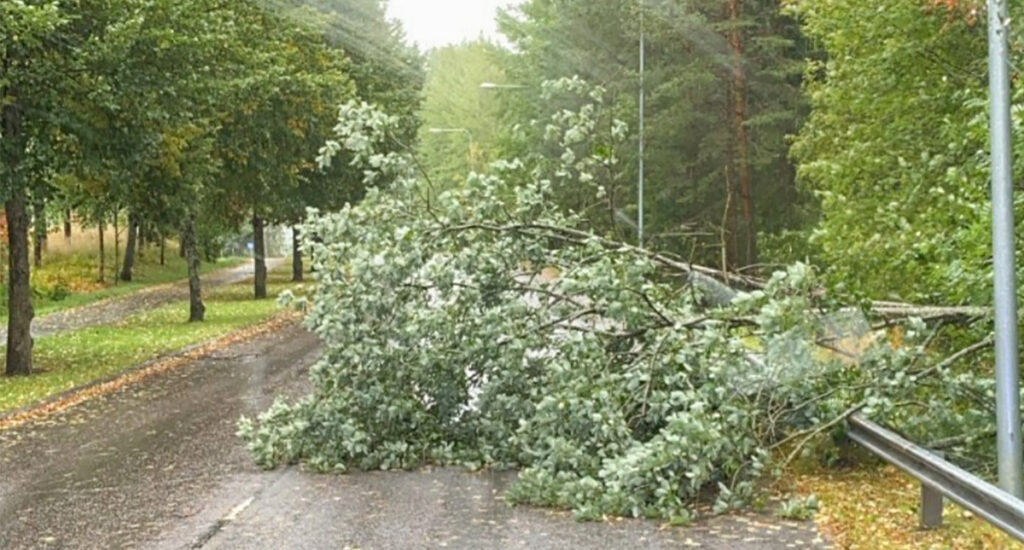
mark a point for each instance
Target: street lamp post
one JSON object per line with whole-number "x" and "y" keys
{"x": 1008, "y": 421}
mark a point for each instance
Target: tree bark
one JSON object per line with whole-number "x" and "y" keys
{"x": 129, "y": 248}
{"x": 103, "y": 251}
{"x": 163, "y": 248}
{"x": 732, "y": 213}
{"x": 297, "y": 268}
{"x": 726, "y": 230}
{"x": 19, "y": 291}
{"x": 196, "y": 309}
{"x": 312, "y": 256}
{"x": 742, "y": 138}
{"x": 67, "y": 224}
{"x": 117, "y": 246}
{"x": 140, "y": 247}
{"x": 259, "y": 254}
{"x": 40, "y": 229}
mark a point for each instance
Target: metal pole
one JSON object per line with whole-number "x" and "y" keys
{"x": 472, "y": 163}
{"x": 1008, "y": 420}
{"x": 640, "y": 181}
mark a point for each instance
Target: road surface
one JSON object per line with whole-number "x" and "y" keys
{"x": 157, "y": 466}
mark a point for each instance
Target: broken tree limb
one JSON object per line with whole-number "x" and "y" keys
{"x": 721, "y": 288}
{"x": 895, "y": 311}
{"x": 579, "y": 237}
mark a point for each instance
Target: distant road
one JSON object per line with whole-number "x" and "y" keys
{"x": 115, "y": 309}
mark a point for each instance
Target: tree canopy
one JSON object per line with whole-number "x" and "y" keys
{"x": 192, "y": 116}
{"x": 460, "y": 119}
{"x": 723, "y": 92}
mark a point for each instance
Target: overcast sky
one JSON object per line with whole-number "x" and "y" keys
{"x": 432, "y": 23}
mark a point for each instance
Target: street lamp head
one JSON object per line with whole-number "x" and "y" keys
{"x": 448, "y": 131}
{"x": 494, "y": 86}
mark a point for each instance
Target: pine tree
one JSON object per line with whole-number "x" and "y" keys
{"x": 723, "y": 91}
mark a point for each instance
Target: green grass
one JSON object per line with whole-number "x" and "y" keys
{"x": 71, "y": 359}
{"x": 76, "y": 274}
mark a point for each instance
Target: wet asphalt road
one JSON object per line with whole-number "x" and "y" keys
{"x": 158, "y": 466}
{"x": 120, "y": 470}
{"x": 115, "y": 309}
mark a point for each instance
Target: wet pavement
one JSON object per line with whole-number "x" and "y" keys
{"x": 115, "y": 309}
{"x": 449, "y": 508}
{"x": 119, "y": 471}
{"x": 158, "y": 466}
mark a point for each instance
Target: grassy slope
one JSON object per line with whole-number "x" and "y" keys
{"x": 71, "y": 359}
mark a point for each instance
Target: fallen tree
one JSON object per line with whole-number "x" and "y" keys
{"x": 719, "y": 287}
{"x": 479, "y": 326}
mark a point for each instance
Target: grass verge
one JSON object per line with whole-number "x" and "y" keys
{"x": 75, "y": 358}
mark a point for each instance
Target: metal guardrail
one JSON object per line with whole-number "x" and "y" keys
{"x": 940, "y": 478}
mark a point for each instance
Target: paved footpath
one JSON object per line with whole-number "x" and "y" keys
{"x": 157, "y": 466}
{"x": 112, "y": 310}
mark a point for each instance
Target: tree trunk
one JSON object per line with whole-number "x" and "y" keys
{"x": 19, "y": 292}
{"x": 312, "y": 256}
{"x": 181, "y": 246}
{"x": 297, "y": 267}
{"x": 103, "y": 251}
{"x": 728, "y": 229}
{"x": 129, "y": 248}
{"x": 140, "y": 248}
{"x": 117, "y": 246}
{"x": 259, "y": 254}
{"x": 739, "y": 99}
{"x": 67, "y": 224}
{"x": 40, "y": 228}
{"x": 163, "y": 248}
{"x": 196, "y": 309}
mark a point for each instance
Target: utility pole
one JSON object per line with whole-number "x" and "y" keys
{"x": 1008, "y": 419}
{"x": 640, "y": 176}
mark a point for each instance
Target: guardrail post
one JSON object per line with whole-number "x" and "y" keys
{"x": 988, "y": 502}
{"x": 931, "y": 504}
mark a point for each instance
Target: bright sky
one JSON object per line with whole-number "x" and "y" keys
{"x": 432, "y": 23}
